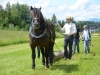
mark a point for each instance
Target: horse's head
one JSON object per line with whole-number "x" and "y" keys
{"x": 36, "y": 17}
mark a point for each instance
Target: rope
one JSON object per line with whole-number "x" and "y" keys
{"x": 60, "y": 33}
{"x": 56, "y": 44}
{"x": 57, "y": 47}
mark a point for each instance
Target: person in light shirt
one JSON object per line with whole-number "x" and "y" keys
{"x": 70, "y": 30}
{"x": 86, "y": 38}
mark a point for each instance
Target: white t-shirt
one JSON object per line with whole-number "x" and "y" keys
{"x": 69, "y": 28}
{"x": 86, "y": 35}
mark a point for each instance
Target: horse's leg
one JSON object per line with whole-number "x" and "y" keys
{"x": 46, "y": 55}
{"x": 51, "y": 53}
{"x": 38, "y": 49}
{"x": 33, "y": 57}
{"x": 30, "y": 40}
{"x": 43, "y": 55}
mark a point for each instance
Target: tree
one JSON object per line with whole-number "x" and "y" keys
{"x": 54, "y": 19}
{"x": 1, "y": 8}
{"x": 8, "y": 17}
{"x": 8, "y": 6}
{"x": 62, "y": 23}
{"x": 15, "y": 15}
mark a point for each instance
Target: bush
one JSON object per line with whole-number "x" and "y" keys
{"x": 27, "y": 27}
{"x": 11, "y": 26}
{"x": 23, "y": 29}
{"x": 1, "y": 26}
{"x": 16, "y": 28}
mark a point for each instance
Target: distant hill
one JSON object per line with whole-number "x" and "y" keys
{"x": 94, "y": 19}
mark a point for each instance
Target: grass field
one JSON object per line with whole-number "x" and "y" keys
{"x": 16, "y": 59}
{"x": 8, "y": 37}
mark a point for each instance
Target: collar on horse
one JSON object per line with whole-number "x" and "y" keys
{"x": 39, "y": 36}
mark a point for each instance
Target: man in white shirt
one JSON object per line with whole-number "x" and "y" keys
{"x": 70, "y": 30}
{"x": 86, "y": 37}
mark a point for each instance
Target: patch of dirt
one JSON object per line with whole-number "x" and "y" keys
{"x": 96, "y": 34}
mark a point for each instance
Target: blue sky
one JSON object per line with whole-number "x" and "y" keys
{"x": 79, "y": 9}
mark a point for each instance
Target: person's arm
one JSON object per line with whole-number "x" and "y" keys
{"x": 59, "y": 26}
{"x": 74, "y": 30}
{"x": 80, "y": 35}
{"x": 62, "y": 29}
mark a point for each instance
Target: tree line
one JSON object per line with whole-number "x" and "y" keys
{"x": 17, "y": 17}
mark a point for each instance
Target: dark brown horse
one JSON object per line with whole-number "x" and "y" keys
{"x": 42, "y": 34}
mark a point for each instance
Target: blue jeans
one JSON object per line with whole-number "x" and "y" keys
{"x": 75, "y": 43}
{"x": 86, "y": 47}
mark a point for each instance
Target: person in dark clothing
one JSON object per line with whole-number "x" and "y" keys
{"x": 76, "y": 41}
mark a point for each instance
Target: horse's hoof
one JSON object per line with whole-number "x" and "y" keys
{"x": 33, "y": 68}
{"x": 43, "y": 64}
{"x": 47, "y": 67}
{"x": 51, "y": 64}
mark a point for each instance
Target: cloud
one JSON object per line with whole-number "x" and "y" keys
{"x": 83, "y": 10}
{"x": 79, "y": 4}
{"x": 4, "y": 2}
{"x": 42, "y": 3}
{"x": 62, "y": 7}
{"x": 79, "y": 9}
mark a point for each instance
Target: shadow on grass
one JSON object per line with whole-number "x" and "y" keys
{"x": 66, "y": 68}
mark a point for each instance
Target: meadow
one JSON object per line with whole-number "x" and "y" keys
{"x": 8, "y": 37}
{"x": 15, "y": 58}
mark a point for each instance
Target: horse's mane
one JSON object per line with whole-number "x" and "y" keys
{"x": 42, "y": 22}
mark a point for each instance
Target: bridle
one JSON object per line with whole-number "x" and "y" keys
{"x": 36, "y": 19}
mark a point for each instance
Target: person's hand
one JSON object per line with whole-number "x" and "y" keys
{"x": 68, "y": 34}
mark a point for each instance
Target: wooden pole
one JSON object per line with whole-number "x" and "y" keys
{"x": 58, "y": 55}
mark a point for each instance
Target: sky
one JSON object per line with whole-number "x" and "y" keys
{"x": 79, "y": 9}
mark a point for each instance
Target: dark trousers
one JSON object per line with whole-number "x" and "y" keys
{"x": 68, "y": 41}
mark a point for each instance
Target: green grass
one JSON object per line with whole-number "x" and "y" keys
{"x": 8, "y": 37}
{"x": 16, "y": 60}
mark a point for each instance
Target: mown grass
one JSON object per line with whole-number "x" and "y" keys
{"x": 16, "y": 60}
{"x": 8, "y": 37}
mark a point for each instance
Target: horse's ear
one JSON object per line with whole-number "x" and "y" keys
{"x": 40, "y": 8}
{"x": 31, "y": 8}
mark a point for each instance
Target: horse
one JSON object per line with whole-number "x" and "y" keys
{"x": 42, "y": 34}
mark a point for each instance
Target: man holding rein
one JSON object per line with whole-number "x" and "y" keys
{"x": 70, "y": 30}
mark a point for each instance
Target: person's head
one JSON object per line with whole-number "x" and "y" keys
{"x": 69, "y": 19}
{"x": 85, "y": 27}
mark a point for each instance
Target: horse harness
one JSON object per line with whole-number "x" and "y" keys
{"x": 49, "y": 34}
